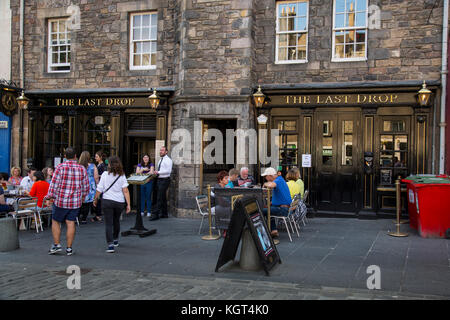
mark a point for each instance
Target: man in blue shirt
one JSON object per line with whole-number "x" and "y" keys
{"x": 281, "y": 197}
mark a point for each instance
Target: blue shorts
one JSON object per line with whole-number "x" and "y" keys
{"x": 61, "y": 214}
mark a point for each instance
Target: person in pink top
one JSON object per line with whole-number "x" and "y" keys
{"x": 67, "y": 191}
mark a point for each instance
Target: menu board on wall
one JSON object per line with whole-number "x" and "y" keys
{"x": 386, "y": 177}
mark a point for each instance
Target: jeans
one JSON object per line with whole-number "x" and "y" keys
{"x": 276, "y": 211}
{"x": 111, "y": 214}
{"x": 146, "y": 196}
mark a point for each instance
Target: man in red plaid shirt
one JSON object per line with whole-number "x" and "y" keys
{"x": 69, "y": 187}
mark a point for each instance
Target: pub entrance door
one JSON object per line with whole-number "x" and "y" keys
{"x": 338, "y": 158}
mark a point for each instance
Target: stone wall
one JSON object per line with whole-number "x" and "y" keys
{"x": 406, "y": 47}
{"x": 100, "y": 47}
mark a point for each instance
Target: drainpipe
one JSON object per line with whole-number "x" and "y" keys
{"x": 444, "y": 73}
{"x": 22, "y": 78}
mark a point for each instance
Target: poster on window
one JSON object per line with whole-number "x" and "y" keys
{"x": 306, "y": 161}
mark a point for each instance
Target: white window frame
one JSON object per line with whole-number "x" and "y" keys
{"x": 354, "y": 59}
{"x": 366, "y": 28}
{"x": 278, "y": 33}
{"x": 131, "y": 42}
{"x": 50, "y": 63}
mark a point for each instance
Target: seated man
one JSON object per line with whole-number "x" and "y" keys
{"x": 244, "y": 180}
{"x": 281, "y": 197}
{"x": 233, "y": 177}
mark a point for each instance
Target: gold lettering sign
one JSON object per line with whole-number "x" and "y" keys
{"x": 95, "y": 102}
{"x": 345, "y": 99}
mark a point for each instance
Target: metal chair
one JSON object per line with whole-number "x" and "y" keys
{"x": 202, "y": 205}
{"x": 288, "y": 218}
{"x": 26, "y": 208}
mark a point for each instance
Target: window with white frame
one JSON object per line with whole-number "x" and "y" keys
{"x": 350, "y": 30}
{"x": 143, "y": 31}
{"x": 292, "y": 32}
{"x": 58, "y": 46}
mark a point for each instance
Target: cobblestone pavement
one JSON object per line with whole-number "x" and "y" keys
{"x": 328, "y": 261}
{"x": 25, "y": 281}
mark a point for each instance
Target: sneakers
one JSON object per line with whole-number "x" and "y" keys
{"x": 55, "y": 248}
{"x": 110, "y": 248}
{"x": 69, "y": 251}
{"x": 116, "y": 243}
{"x": 143, "y": 213}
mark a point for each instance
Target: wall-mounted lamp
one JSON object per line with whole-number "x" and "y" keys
{"x": 154, "y": 100}
{"x": 259, "y": 97}
{"x": 424, "y": 95}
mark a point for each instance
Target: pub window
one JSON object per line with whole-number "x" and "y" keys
{"x": 350, "y": 30}
{"x": 288, "y": 143}
{"x": 98, "y": 135}
{"x": 292, "y": 32}
{"x": 58, "y": 46}
{"x": 393, "y": 151}
{"x": 143, "y": 31}
{"x": 55, "y": 138}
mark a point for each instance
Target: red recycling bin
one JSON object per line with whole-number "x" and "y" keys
{"x": 429, "y": 204}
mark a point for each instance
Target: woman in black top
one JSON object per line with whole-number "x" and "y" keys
{"x": 100, "y": 157}
{"x": 146, "y": 167}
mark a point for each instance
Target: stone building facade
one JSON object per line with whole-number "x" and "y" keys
{"x": 212, "y": 54}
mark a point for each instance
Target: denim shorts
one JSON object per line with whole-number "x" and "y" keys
{"x": 62, "y": 214}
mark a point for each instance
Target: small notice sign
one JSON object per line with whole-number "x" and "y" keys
{"x": 3, "y": 124}
{"x": 306, "y": 160}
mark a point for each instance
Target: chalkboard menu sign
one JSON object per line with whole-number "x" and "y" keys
{"x": 247, "y": 212}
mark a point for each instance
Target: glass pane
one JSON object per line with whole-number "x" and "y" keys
{"x": 62, "y": 25}
{"x": 387, "y": 142}
{"x": 146, "y": 47}
{"x": 292, "y": 53}
{"x": 361, "y": 5}
{"x": 401, "y": 143}
{"x": 145, "y": 59}
{"x": 282, "y": 10}
{"x": 361, "y": 36}
{"x": 300, "y": 24}
{"x": 327, "y": 143}
{"x": 339, "y": 51}
{"x": 146, "y": 20}
{"x": 350, "y": 20}
{"x": 340, "y": 6}
{"x": 302, "y": 39}
{"x": 63, "y": 57}
{"x": 394, "y": 126}
{"x": 153, "y": 33}
{"x": 154, "y": 20}
{"x": 282, "y": 54}
{"x": 138, "y": 47}
{"x": 282, "y": 40}
{"x": 339, "y": 22}
{"x": 360, "y": 50}
{"x": 386, "y": 158}
{"x": 137, "y": 21}
{"x": 153, "y": 47}
{"x": 54, "y": 26}
{"x": 340, "y": 37}
{"x": 292, "y": 40}
{"x": 290, "y": 126}
{"x": 153, "y": 59}
{"x": 290, "y": 24}
{"x": 136, "y": 60}
{"x": 54, "y": 58}
{"x": 360, "y": 19}
{"x": 349, "y": 37}
{"x": 136, "y": 34}
{"x": 282, "y": 22}
{"x": 347, "y": 147}
{"x": 145, "y": 33}
{"x": 302, "y": 9}
{"x": 349, "y": 50}
{"x": 301, "y": 53}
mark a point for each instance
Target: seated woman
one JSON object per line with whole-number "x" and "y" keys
{"x": 292, "y": 177}
{"x": 300, "y": 182}
{"x": 39, "y": 189}
{"x": 15, "y": 178}
{"x": 220, "y": 203}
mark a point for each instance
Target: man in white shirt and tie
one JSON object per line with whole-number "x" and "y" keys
{"x": 164, "y": 169}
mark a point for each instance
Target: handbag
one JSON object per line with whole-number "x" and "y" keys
{"x": 101, "y": 195}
